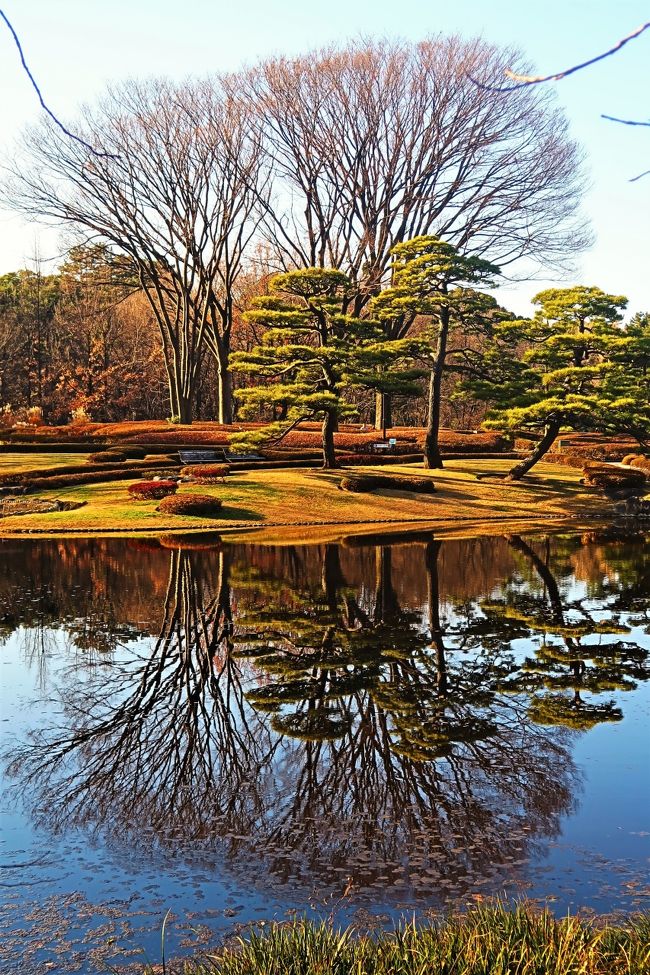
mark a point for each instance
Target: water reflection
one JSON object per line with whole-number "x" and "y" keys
{"x": 382, "y": 716}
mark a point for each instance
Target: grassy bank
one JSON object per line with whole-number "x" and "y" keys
{"x": 486, "y": 941}
{"x": 301, "y": 501}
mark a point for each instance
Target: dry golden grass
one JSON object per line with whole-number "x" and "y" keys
{"x": 302, "y": 502}
{"x": 15, "y": 463}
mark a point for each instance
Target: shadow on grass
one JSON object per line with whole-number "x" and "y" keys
{"x": 230, "y": 513}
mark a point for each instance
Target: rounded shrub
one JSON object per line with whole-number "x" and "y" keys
{"x": 391, "y": 482}
{"x": 641, "y": 462}
{"x": 608, "y": 478}
{"x": 205, "y": 473}
{"x": 151, "y": 490}
{"x": 201, "y": 505}
{"x": 107, "y": 457}
{"x": 131, "y": 451}
{"x": 629, "y": 459}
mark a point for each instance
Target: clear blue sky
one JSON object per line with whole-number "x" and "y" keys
{"x": 75, "y": 47}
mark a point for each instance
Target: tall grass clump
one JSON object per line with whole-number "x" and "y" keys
{"x": 488, "y": 940}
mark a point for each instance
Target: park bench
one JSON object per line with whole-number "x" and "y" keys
{"x": 188, "y": 457}
{"x": 384, "y": 446}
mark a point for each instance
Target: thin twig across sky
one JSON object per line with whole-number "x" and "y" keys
{"x": 524, "y": 81}
{"x": 56, "y": 121}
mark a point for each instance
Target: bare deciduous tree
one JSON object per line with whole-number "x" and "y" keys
{"x": 381, "y": 142}
{"x": 174, "y": 189}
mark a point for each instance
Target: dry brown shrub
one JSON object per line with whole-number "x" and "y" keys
{"x": 206, "y": 473}
{"x": 152, "y": 490}
{"x": 107, "y": 457}
{"x": 202, "y": 505}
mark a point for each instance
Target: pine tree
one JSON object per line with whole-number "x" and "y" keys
{"x": 549, "y": 372}
{"x": 311, "y": 353}
{"x": 626, "y": 384}
{"x": 433, "y": 282}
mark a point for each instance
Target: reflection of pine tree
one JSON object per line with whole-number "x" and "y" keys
{"x": 387, "y": 746}
{"x": 401, "y": 736}
{"x": 565, "y": 666}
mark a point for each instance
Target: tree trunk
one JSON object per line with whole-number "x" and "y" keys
{"x": 432, "y": 551}
{"x": 224, "y": 380}
{"x": 329, "y": 425}
{"x": 181, "y": 405}
{"x": 432, "y": 458}
{"x": 331, "y": 576}
{"x": 383, "y": 412}
{"x": 541, "y": 448}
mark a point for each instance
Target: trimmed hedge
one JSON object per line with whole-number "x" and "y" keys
{"x": 74, "y": 480}
{"x": 152, "y": 490}
{"x": 107, "y": 457}
{"x": 367, "y": 460}
{"x": 363, "y": 483}
{"x": 278, "y": 453}
{"x": 130, "y": 451}
{"x": 206, "y": 473}
{"x": 203, "y": 505}
{"x": 641, "y": 462}
{"x": 610, "y": 478}
{"x": 82, "y": 475}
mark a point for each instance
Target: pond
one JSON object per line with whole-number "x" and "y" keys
{"x": 234, "y": 733}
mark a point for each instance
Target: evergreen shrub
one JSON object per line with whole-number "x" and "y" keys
{"x": 363, "y": 483}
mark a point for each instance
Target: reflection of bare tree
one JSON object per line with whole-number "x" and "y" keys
{"x": 359, "y": 737}
{"x": 152, "y": 735}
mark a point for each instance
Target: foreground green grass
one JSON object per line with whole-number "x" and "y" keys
{"x": 485, "y": 941}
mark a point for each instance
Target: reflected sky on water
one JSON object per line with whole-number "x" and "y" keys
{"x": 361, "y": 730}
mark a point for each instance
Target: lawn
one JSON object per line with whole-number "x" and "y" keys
{"x": 303, "y": 501}
{"x": 11, "y": 463}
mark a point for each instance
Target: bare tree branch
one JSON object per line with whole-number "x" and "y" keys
{"x": 524, "y": 81}
{"x": 36, "y": 88}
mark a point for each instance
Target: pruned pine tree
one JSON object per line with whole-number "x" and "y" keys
{"x": 550, "y": 372}
{"x": 626, "y": 384}
{"x": 311, "y": 353}
{"x": 433, "y": 282}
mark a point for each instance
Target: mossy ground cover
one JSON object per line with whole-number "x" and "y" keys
{"x": 306, "y": 499}
{"x": 485, "y": 941}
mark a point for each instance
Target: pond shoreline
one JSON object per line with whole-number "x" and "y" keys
{"x": 486, "y": 938}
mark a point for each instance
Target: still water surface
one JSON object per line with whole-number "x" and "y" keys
{"x": 235, "y": 733}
